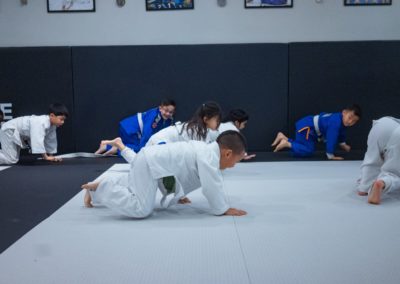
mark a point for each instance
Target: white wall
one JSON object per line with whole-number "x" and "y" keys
{"x": 31, "y": 25}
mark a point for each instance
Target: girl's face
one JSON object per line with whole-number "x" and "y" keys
{"x": 212, "y": 123}
{"x": 240, "y": 125}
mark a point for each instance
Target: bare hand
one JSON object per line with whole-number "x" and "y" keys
{"x": 248, "y": 157}
{"x": 337, "y": 158}
{"x": 184, "y": 200}
{"x": 235, "y": 212}
{"x": 51, "y": 158}
{"x": 345, "y": 147}
{"x": 362, "y": 193}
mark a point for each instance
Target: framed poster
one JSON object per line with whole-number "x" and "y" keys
{"x": 65, "y": 6}
{"x": 162, "y": 5}
{"x": 268, "y": 3}
{"x": 366, "y": 2}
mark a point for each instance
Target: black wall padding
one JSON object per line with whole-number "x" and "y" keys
{"x": 33, "y": 78}
{"x": 111, "y": 83}
{"x": 276, "y": 83}
{"x": 330, "y": 75}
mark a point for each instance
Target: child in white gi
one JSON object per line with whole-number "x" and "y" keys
{"x": 236, "y": 120}
{"x": 36, "y": 132}
{"x": 380, "y": 170}
{"x": 207, "y": 117}
{"x": 194, "y": 164}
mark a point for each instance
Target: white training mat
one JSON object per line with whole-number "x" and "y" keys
{"x": 3, "y": 167}
{"x": 305, "y": 224}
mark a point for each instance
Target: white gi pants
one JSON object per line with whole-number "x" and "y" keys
{"x": 9, "y": 152}
{"x": 382, "y": 159}
{"x": 133, "y": 195}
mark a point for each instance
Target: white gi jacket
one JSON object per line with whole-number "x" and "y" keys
{"x": 194, "y": 164}
{"x": 37, "y": 130}
{"x": 382, "y": 158}
{"x": 173, "y": 134}
{"x": 224, "y": 126}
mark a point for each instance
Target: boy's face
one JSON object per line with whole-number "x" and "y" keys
{"x": 349, "y": 118}
{"x": 240, "y": 125}
{"x": 167, "y": 112}
{"x": 57, "y": 120}
{"x": 229, "y": 159}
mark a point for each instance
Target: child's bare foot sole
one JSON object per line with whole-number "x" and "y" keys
{"x": 87, "y": 200}
{"x": 282, "y": 145}
{"x": 279, "y": 137}
{"x": 374, "y": 196}
{"x": 92, "y": 186}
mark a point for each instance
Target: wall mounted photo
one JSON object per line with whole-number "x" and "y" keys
{"x": 64, "y": 6}
{"x": 268, "y": 3}
{"x": 162, "y": 5}
{"x": 366, "y": 2}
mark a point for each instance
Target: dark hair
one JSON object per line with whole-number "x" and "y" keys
{"x": 1, "y": 113}
{"x": 356, "y": 109}
{"x": 236, "y": 115}
{"x": 196, "y": 127}
{"x": 232, "y": 140}
{"x": 58, "y": 109}
{"x": 168, "y": 102}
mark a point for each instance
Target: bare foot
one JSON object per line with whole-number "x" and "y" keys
{"x": 282, "y": 145}
{"x": 184, "y": 200}
{"x": 279, "y": 137}
{"x": 362, "y": 193}
{"x": 87, "y": 200}
{"x": 102, "y": 148}
{"x": 115, "y": 142}
{"x": 92, "y": 186}
{"x": 374, "y": 196}
{"x": 112, "y": 151}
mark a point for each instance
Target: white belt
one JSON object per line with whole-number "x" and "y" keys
{"x": 316, "y": 127}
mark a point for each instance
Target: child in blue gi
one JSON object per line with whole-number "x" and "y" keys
{"x": 327, "y": 127}
{"x": 136, "y": 130}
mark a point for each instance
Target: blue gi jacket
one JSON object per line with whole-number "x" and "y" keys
{"x": 135, "y": 138}
{"x": 332, "y": 129}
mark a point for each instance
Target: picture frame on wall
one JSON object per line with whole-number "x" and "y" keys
{"x": 367, "y": 2}
{"x": 66, "y": 6}
{"x": 268, "y": 3}
{"x": 165, "y": 5}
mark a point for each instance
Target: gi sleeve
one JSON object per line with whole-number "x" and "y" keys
{"x": 212, "y": 185}
{"x": 37, "y": 136}
{"x": 50, "y": 141}
{"x": 332, "y": 134}
{"x": 129, "y": 132}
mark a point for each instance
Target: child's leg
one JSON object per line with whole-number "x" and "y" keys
{"x": 135, "y": 200}
{"x": 373, "y": 161}
{"x": 279, "y": 137}
{"x": 9, "y": 152}
{"x": 303, "y": 146}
